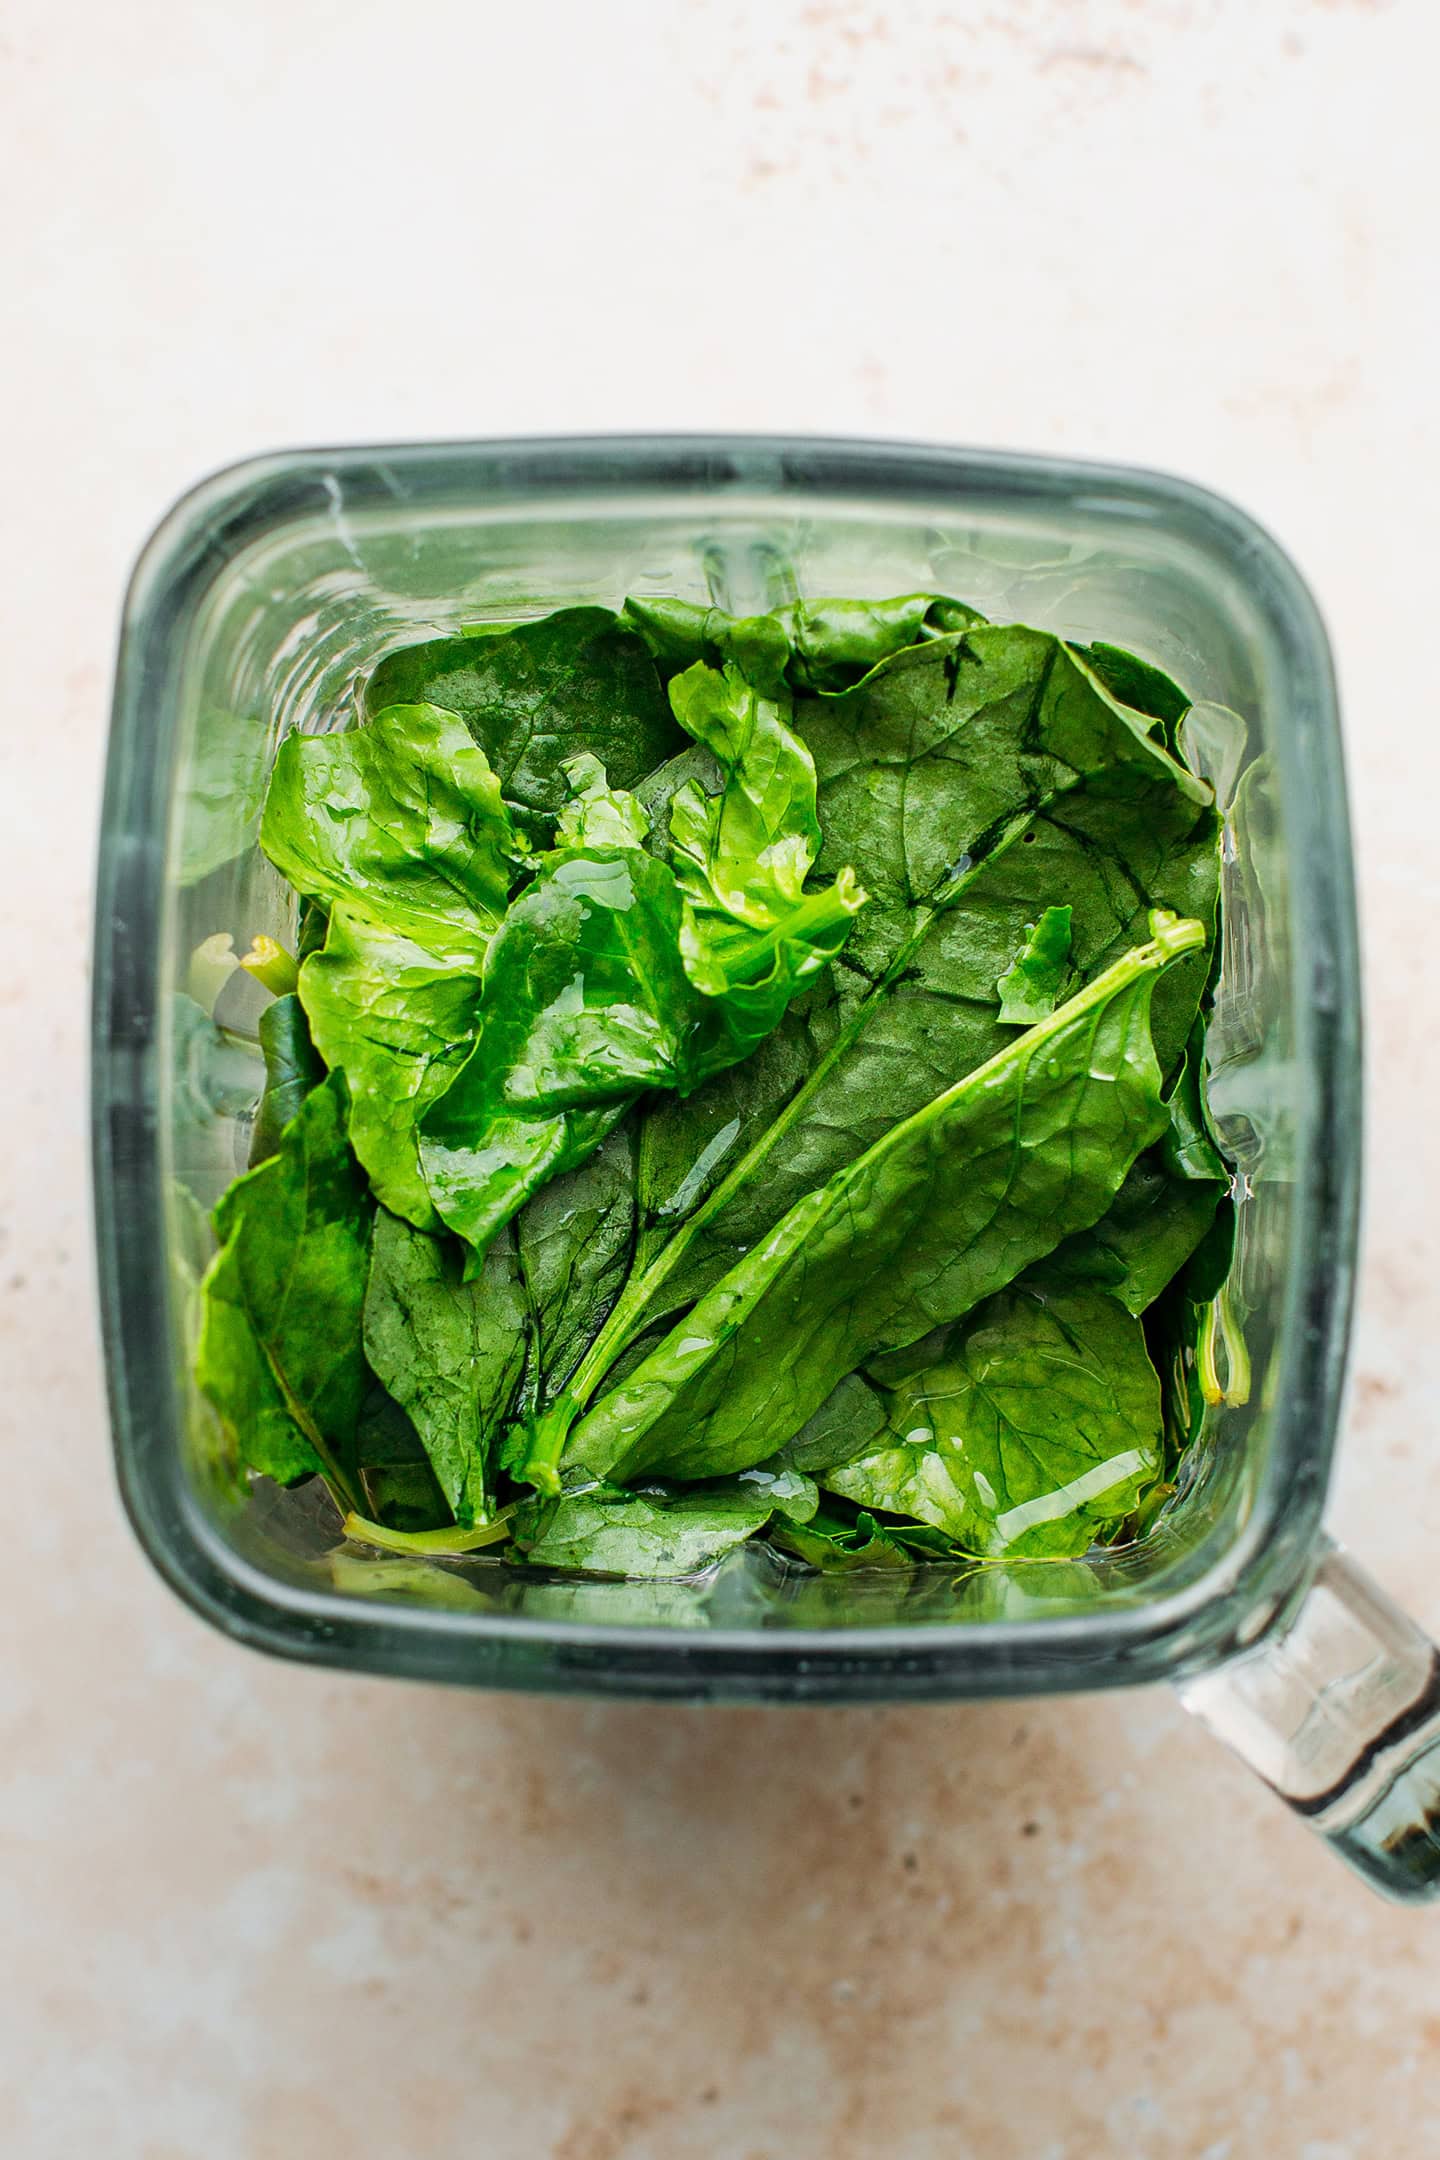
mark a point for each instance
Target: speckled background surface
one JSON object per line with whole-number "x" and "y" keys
{"x": 250, "y": 1913}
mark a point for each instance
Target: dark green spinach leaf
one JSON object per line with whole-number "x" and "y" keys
{"x": 816, "y": 645}
{"x": 1145, "y": 1237}
{"x": 839, "y": 1544}
{"x": 279, "y": 1352}
{"x": 1141, "y": 685}
{"x": 574, "y": 1240}
{"x": 293, "y": 1067}
{"x": 534, "y": 696}
{"x": 401, "y": 1490}
{"x": 449, "y": 1351}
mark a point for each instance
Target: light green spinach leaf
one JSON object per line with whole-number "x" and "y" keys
{"x": 597, "y": 815}
{"x": 399, "y": 1021}
{"x": 403, "y": 821}
{"x": 752, "y": 937}
{"x": 1024, "y": 1429}
{"x": 1031, "y": 986}
{"x": 586, "y": 1001}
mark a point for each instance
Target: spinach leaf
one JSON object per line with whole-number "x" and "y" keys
{"x": 1156, "y": 1221}
{"x": 533, "y": 696}
{"x": 652, "y": 1535}
{"x": 838, "y": 1544}
{"x": 610, "y": 975}
{"x": 450, "y": 1352}
{"x": 1189, "y": 1144}
{"x": 1024, "y": 1429}
{"x": 292, "y": 1068}
{"x": 279, "y": 1352}
{"x": 312, "y": 929}
{"x": 574, "y": 1240}
{"x": 586, "y": 1001}
{"x": 401, "y": 1490}
{"x": 678, "y": 633}
{"x": 1031, "y": 986}
{"x": 399, "y": 1021}
{"x": 816, "y": 645}
{"x": 948, "y": 1207}
{"x": 836, "y": 643}
{"x": 752, "y": 936}
{"x": 688, "y": 1145}
{"x": 923, "y": 768}
{"x": 231, "y": 1368}
{"x": 742, "y": 856}
{"x": 1141, "y": 685}
{"x": 597, "y": 815}
{"x": 403, "y": 821}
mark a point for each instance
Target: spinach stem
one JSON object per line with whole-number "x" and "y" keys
{"x": 552, "y": 1428}
{"x": 1220, "y": 1330}
{"x": 431, "y": 1543}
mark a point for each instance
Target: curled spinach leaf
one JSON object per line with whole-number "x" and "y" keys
{"x": 814, "y": 645}
{"x": 752, "y": 937}
{"x": 598, "y": 815}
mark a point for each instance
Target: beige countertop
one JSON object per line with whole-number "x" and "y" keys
{"x": 254, "y": 1913}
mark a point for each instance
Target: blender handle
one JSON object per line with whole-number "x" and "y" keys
{"x": 1337, "y": 1707}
